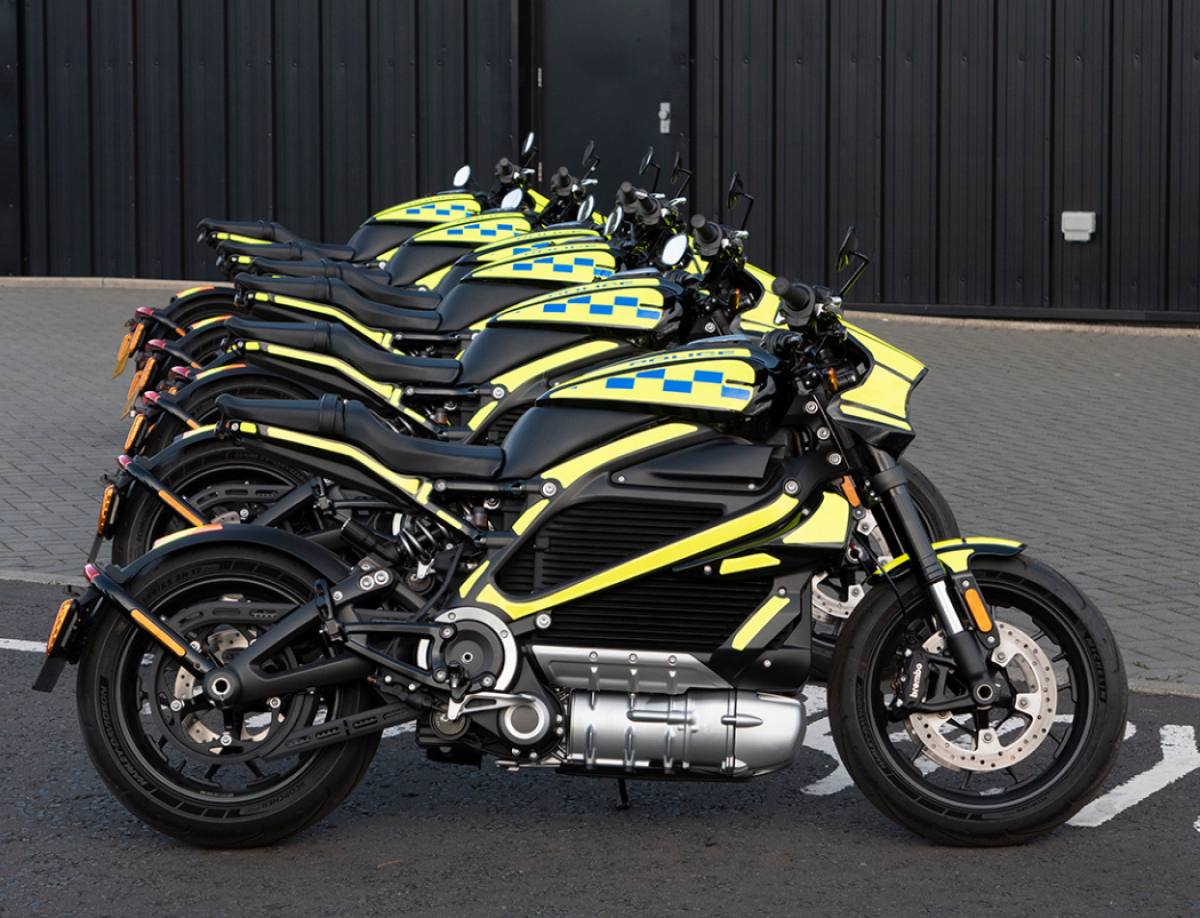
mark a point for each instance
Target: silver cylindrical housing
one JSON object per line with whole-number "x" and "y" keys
{"x": 727, "y": 733}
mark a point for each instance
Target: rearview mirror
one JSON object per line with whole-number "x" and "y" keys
{"x": 613, "y": 223}
{"x": 646, "y": 161}
{"x": 512, "y": 200}
{"x": 588, "y": 151}
{"x": 674, "y": 250}
{"x": 736, "y": 190}
{"x": 848, "y": 249}
{"x": 528, "y": 144}
{"x": 462, "y": 176}
{"x": 586, "y": 209}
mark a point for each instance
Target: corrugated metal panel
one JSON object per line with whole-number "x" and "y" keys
{"x": 69, "y": 208}
{"x": 1183, "y": 233}
{"x": 1138, "y": 218}
{"x": 347, "y": 153}
{"x": 710, "y": 179}
{"x": 856, "y": 130}
{"x": 35, "y": 228}
{"x": 113, "y": 161}
{"x": 747, "y": 107}
{"x": 250, "y": 111}
{"x": 966, "y": 137}
{"x": 1082, "y": 134}
{"x": 441, "y": 74}
{"x": 1022, "y": 200}
{"x": 801, "y": 139}
{"x": 491, "y": 130}
{"x": 159, "y": 152}
{"x": 205, "y": 138}
{"x": 906, "y": 265}
{"x": 10, "y": 132}
{"x": 296, "y": 111}
{"x": 393, "y": 103}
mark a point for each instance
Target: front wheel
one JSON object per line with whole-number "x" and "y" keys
{"x": 197, "y": 773}
{"x": 973, "y": 776}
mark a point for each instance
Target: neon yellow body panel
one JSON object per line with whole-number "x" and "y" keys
{"x": 626, "y": 304}
{"x": 531, "y": 242}
{"x": 955, "y": 554}
{"x": 476, "y": 231}
{"x": 827, "y": 527}
{"x": 721, "y": 533}
{"x": 709, "y": 379}
{"x": 761, "y": 318}
{"x": 882, "y": 397}
{"x": 438, "y": 208}
{"x": 575, "y": 263}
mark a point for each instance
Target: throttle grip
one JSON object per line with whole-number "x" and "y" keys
{"x": 797, "y": 299}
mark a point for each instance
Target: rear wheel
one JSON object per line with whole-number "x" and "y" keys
{"x": 203, "y": 775}
{"x": 1000, "y": 775}
{"x": 226, "y": 483}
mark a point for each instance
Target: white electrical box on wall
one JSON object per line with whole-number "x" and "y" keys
{"x": 1078, "y": 225}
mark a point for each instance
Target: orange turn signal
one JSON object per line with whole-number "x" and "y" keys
{"x": 59, "y": 620}
{"x": 979, "y": 612}
{"x": 108, "y": 506}
{"x": 135, "y": 431}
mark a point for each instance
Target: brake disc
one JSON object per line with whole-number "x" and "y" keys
{"x": 1023, "y": 730}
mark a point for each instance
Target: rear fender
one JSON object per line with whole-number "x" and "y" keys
{"x": 108, "y": 588}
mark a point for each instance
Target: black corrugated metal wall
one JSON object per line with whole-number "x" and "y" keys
{"x": 139, "y": 117}
{"x": 953, "y": 134}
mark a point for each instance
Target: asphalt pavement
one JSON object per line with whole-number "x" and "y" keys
{"x": 1082, "y": 444}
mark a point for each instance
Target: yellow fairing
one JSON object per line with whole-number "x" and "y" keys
{"x": 569, "y": 264}
{"x": 882, "y": 397}
{"x": 532, "y": 242}
{"x": 572, "y": 470}
{"x": 523, "y": 374}
{"x": 827, "y": 527}
{"x": 710, "y": 385}
{"x": 753, "y": 562}
{"x": 722, "y": 533}
{"x": 429, "y": 281}
{"x": 955, "y": 554}
{"x": 762, "y": 617}
{"x": 760, "y": 318}
{"x": 439, "y": 208}
{"x": 487, "y": 228}
{"x": 614, "y": 304}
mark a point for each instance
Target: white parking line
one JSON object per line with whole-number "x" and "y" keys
{"x": 26, "y": 646}
{"x": 1180, "y": 757}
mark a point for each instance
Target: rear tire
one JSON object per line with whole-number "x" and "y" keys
{"x": 983, "y": 777}
{"x": 174, "y": 771}
{"x": 219, "y": 478}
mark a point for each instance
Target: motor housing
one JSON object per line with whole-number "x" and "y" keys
{"x": 701, "y": 733}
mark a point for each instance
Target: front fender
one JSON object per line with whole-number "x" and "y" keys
{"x": 954, "y": 554}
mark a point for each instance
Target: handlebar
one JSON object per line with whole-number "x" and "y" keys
{"x": 627, "y": 197}
{"x": 562, "y": 182}
{"x": 798, "y": 301}
{"x": 506, "y": 172}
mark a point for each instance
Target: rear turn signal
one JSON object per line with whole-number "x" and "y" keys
{"x": 135, "y": 431}
{"x": 64, "y": 612}
{"x": 108, "y": 511}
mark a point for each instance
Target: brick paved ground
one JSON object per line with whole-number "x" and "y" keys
{"x": 1084, "y": 445}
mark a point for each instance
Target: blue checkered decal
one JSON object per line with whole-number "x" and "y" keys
{"x": 479, "y": 229}
{"x": 679, "y": 385}
{"x": 441, "y": 210}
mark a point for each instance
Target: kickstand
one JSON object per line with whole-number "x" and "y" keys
{"x": 624, "y": 792}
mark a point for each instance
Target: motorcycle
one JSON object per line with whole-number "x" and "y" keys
{"x": 372, "y": 248}
{"x": 623, "y": 590}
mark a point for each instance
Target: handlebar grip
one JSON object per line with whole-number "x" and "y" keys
{"x": 779, "y": 342}
{"x": 561, "y": 181}
{"x": 506, "y": 172}
{"x": 798, "y": 300}
{"x": 626, "y": 196}
{"x": 704, "y": 232}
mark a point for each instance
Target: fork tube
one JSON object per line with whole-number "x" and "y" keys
{"x": 889, "y": 482}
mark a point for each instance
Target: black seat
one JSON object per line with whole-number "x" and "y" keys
{"x": 351, "y": 423}
{"x": 338, "y": 341}
{"x": 287, "y": 251}
{"x": 257, "y": 229}
{"x": 336, "y": 293}
{"x": 372, "y": 285}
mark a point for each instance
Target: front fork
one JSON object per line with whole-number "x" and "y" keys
{"x": 889, "y": 483}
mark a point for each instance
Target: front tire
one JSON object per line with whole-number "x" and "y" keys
{"x": 174, "y": 771}
{"x": 1000, "y": 776}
